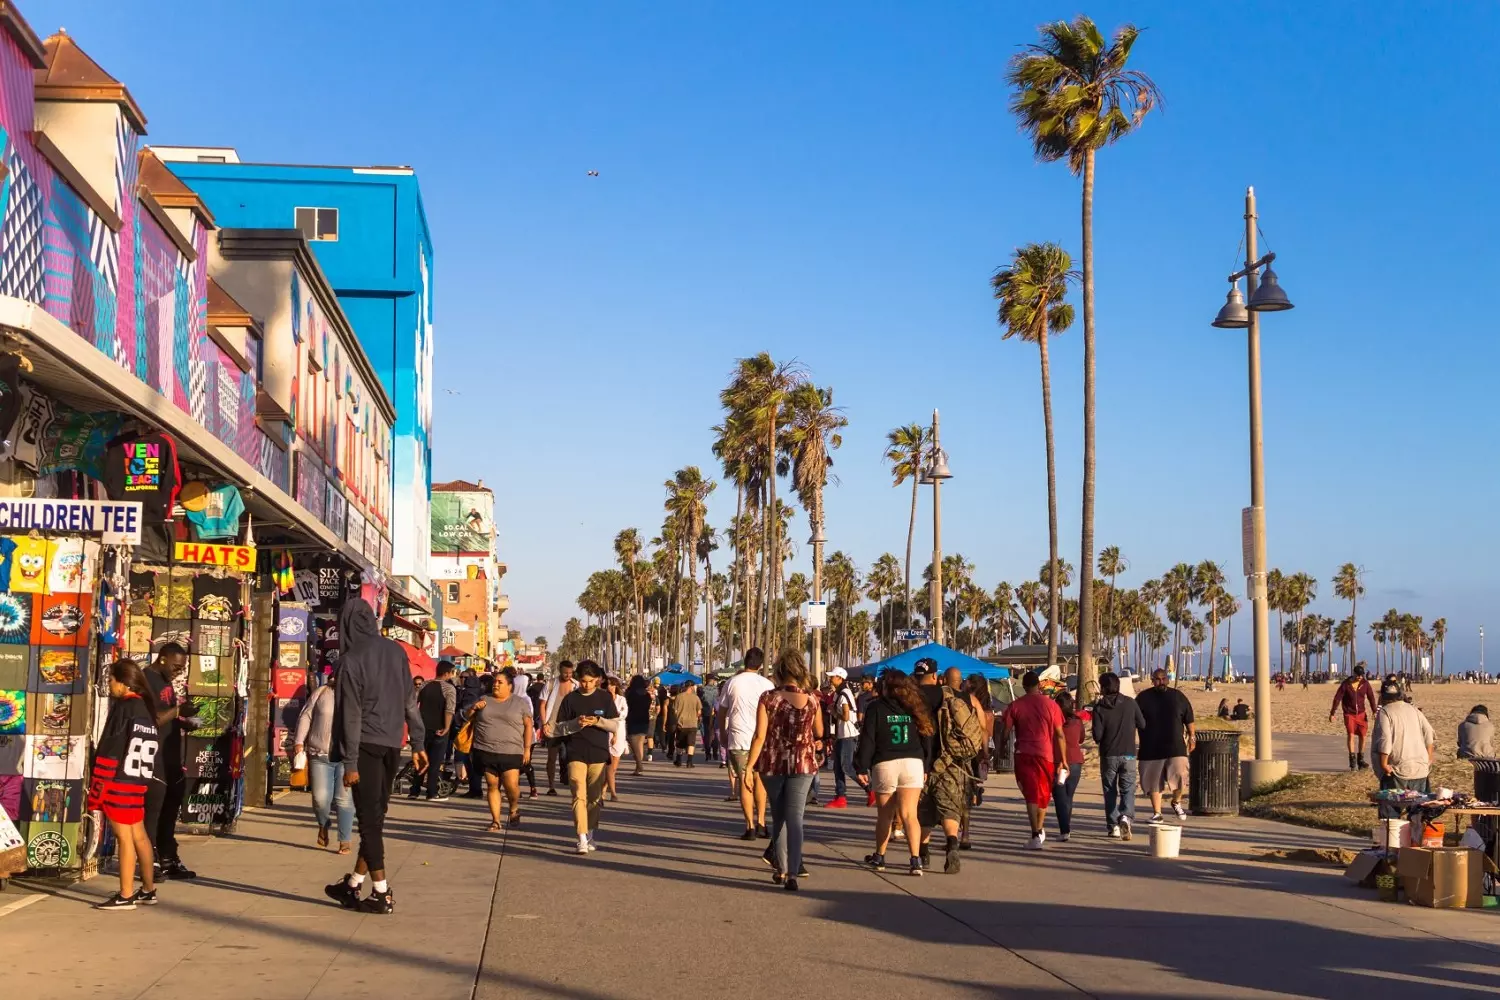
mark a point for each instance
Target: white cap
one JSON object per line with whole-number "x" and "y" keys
{"x": 838, "y": 672}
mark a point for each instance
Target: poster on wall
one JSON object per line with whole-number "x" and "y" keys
{"x": 459, "y": 524}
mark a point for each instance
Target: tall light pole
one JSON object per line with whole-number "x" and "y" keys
{"x": 1481, "y": 649}
{"x": 1241, "y": 314}
{"x": 817, "y": 541}
{"x": 935, "y": 473}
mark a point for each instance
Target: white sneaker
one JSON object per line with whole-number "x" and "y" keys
{"x": 1036, "y": 842}
{"x": 1114, "y": 833}
{"x": 1043, "y": 836}
{"x": 1181, "y": 812}
{"x": 1064, "y": 837}
{"x": 1156, "y": 819}
{"x": 584, "y": 846}
{"x": 592, "y": 846}
{"x": 1124, "y": 827}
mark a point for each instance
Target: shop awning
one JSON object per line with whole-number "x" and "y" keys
{"x": 64, "y": 362}
{"x": 422, "y": 665}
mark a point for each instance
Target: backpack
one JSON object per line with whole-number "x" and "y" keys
{"x": 960, "y": 728}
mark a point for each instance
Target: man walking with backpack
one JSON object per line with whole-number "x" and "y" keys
{"x": 959, "y": 739}
{"x": 844, "y": 716}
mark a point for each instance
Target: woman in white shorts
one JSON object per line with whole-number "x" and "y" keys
{"x": 893, "y": 744}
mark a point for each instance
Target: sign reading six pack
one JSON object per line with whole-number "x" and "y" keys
{"x": 236, "y": 557}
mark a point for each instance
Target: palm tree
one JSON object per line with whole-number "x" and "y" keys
{"x": 812, "y": 434}
{"x": 1031, "y": 291}
{"x": 1276, "y": 599}
{"x": 1348, "y": 585}
{"x": 687, "y": 495}
{"x": 1073, "y": 95}
{"x": 1029, "y": 597}
{"x": 1209, "y": 580}
{"x": 906, "y": 450}
{"x": 627, "y": 552}
{"x": 1440, "y": 640}
{"x": 1111, "y": 564}
{"x": 884, "y": 578}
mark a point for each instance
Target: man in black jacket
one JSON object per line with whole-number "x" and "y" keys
{"x": 375, "y": 700}
{"x": 1117, "y": 721}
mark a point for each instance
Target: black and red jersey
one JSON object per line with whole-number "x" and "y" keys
{"x": 125, "y": 761}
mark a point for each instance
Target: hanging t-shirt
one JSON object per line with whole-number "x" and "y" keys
{"x": 70, "y": 565}
{"x": 144, "y": 469}
{"x": 7, "y": 550}
{"x": 28, "y": 566}
{"x": 216, "y": 599}
{"x": 220, "y": 516}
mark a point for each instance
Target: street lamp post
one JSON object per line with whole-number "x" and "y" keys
{"x": 817, "y": 541}
{"x": 1243, "y": 314}
{"x": 936, "y": 472}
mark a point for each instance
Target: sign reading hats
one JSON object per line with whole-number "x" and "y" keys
{"x": 236, "y": 557}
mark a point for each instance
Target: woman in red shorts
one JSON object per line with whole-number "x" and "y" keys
{"x": 1038, "y": 725}
{"x": 124, "y": 764}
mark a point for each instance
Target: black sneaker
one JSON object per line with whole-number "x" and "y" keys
{"x": 343, "y": 893}
{"x": 916, "y": 867}
{"x": 876, "y": 861}
{"x": 173, "y": 868}
{"x": 951, "y": 860}
{"x": 145, "y": 897}
{"x": 440, "y": 797}
{"x": 551, "y": 791}
{"x": 763, "y": 833}
{"x": 749, "y": 833}
{"x": 116, "y": 902}
{"x": 769, "y": 858}
{"x": 791, "y": 885}
{"x": 802, "y": 872}
{"x": 377, "y": 902}
{"x": 926, "y": 856}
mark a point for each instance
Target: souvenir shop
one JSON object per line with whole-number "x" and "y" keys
{"x": 109, "y": 547}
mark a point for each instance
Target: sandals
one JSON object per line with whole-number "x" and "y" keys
{"x": 346, "y": 847}
{"x": 322, "y": 836}
{"x": 494, "y": 828}
{"x": 515, "y": 819}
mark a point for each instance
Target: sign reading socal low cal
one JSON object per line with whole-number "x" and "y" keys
{"x": 118, "y": 522}
{"x": 235, "y": 557}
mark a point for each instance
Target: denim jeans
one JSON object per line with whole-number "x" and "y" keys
{"x": 329, "y": 793}
{"x": 1119, "y": 775}
{"x": 786, "y": 794}
{"x": 1062, "y": 795}
{"x": 437, "y": 754}
{"x": 843, "y": 765}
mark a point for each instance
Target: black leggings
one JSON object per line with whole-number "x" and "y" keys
{"x": 372, "y": 795}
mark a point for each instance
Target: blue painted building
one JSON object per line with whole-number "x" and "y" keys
{"x": 368, "y": 229}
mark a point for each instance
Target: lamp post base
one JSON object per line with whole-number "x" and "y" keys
{"x": 1259, "y": 773}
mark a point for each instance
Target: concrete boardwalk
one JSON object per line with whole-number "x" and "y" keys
{"x": 673, "y": 905}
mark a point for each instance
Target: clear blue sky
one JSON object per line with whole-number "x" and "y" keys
{"x": 837, "y": 184}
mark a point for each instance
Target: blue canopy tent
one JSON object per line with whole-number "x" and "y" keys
{"x": 676, "y": 674}
{"x": 944, "y": 656}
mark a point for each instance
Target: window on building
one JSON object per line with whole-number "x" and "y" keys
{"x": 452, "y": 593}
{"x": 255, "y": 355}
{"x": 205, "y": 158}
{"x": 318, "y": 223}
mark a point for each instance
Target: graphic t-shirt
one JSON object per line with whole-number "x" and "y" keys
{"x": 144, "y": 469}
{"x": 216, "y": 599}
{"x": 590, "y": 744}
{"x": 70, "y": 565}
{"x": 7, "y": 551}
{"x": 220, "y": 516}
{"x": 28, "y": 566}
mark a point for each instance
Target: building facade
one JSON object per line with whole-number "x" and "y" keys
{"x": 466, "y": 567}
{"x": 368, "y": 229}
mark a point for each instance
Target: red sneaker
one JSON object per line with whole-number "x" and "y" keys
{"x": 870, "y": 798}
{"x": 838, "y": 802}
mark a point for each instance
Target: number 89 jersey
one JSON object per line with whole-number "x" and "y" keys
{"x": 124, "y": 762}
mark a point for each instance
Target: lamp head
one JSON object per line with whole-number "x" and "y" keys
{"x": 938, "y": 470}
{"x": 1233, "y": 315}
{"x": 1268, "y": 296}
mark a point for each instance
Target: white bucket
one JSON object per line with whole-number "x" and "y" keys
{"x": 1391, "y": 834}
{"x": 1165, "y": 841}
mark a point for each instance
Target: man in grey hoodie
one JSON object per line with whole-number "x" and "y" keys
{"x": 375, "y": 700}
{"x": 1476, "y": 734}
{"x": 1117, "y": 722}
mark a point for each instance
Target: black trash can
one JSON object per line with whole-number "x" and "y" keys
{"x": 1214, "y": 780}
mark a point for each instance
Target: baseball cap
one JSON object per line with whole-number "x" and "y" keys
{"x": 839, "y": 672}
{"x": 926, "y": 665}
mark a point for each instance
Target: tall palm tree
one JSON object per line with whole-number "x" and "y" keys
{"x": 906, "y": 450}
{"x": 1032, "y": 290}
{"x": 1111, "y": 564}
{"x": 1276, "y": 600}
{"x": 627, "y": 552}
{"x": 1073, "y": 95}
{"x": 1210, "y": 593}
{"x": 1440, "y": 641}
{"x": 1348, "y": 585}
{"x": 687, "y": 500}
{"x": 814, "y": 431}
{"x": 884, "y": 578}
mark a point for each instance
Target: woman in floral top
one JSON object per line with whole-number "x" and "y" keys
{"x": 788, "y": 733}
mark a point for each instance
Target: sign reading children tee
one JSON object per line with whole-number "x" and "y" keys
{"x": 117, "y": 523}
{"x": 144, "y": 469}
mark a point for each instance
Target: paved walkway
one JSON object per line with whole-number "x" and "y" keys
{"x": 673, "y": 905}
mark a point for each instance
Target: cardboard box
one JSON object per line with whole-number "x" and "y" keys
{"x": 1442, "y": 877}
{"x": 1362, "y": 870}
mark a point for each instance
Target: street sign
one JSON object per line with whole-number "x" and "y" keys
{"x": 697, "y": 663}
{"x": 817, "y": 614}
{"x": 914, "y": 635}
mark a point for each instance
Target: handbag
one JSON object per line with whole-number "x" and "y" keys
{"x": 299, "y": 773}
{"x": 464, "y": 741}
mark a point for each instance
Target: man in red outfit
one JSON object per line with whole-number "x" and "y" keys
{"x": 1352, "y": 696}
{"x": 1040, "y": 750}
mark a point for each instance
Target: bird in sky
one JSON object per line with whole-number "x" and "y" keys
{"x": 453, "y": 392}
{"x": 593, "y": 173}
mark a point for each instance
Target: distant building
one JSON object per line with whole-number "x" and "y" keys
{"x": 466, "y": 568}
{"x": 368, "y": 230}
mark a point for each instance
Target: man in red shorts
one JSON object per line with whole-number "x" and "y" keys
{"x": 1353, "y": 694}
{"x": 1038, "y": 725}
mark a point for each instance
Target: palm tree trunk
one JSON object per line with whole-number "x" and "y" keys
{"x": 1354, "y": 632}
{"x": 1087, "y": 671}
{"x": 911, "y": 529}
{"x": 1053, "y": 610}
